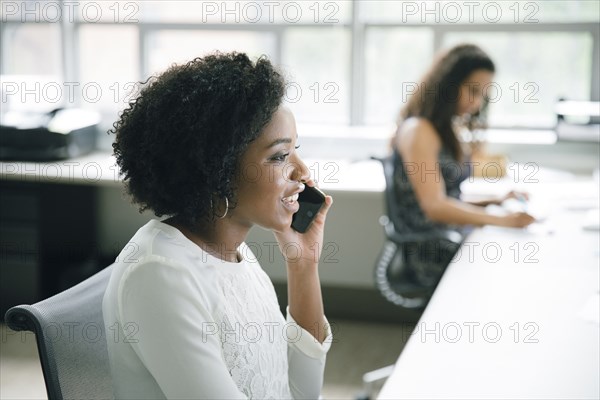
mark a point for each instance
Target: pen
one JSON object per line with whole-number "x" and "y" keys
{"x": 523, "y": 201}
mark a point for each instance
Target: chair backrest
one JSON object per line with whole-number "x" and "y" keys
{"x": 71, "y": 339}
{"x": 391, "y": 201}
{"x": 410, "y": 263}
{"x": 394, "y": 228}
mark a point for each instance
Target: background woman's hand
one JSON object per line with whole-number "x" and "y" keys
{"x": 513, "y": 194}
{"x": 517, "y": 220}
{"x": 304, "y": 248}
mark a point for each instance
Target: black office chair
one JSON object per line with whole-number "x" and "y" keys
{"x": 71, "y": 339}
{"x": 410, "y": 264}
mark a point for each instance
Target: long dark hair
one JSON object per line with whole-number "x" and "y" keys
{"x": 436, "y": 98}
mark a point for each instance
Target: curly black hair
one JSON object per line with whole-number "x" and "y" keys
{"x": 178, "y": 144}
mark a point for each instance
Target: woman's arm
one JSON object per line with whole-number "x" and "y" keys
{"x": 419, "y": 145}
{"x": 484, "y": 203}
{"x": 306, "y": 353}
{"x": 302, "y": 252}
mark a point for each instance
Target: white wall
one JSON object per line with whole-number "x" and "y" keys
{"x": 353, "y": 235}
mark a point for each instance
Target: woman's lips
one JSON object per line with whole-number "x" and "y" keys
{"x": 291, "y": 202}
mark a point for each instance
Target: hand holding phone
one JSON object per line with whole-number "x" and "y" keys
{"x": 311, "y": 199}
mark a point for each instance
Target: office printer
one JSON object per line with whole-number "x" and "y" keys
{"x": 59, "y": 134}
{"x": 578, "y": 121}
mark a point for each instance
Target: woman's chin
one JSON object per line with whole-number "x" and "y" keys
{"x": 278, "y": 226}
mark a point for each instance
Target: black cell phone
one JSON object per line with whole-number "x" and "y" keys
{"x": 310, "y": 199}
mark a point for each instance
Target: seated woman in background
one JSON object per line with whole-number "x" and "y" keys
{"x": 209, "y": 145}
{"x": 431, "y": 162}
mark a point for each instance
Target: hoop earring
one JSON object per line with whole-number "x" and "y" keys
{"x": 226, "y": 208}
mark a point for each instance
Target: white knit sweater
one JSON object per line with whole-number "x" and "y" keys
{"x": 181, "y": 323}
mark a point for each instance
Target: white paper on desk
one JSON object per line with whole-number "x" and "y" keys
{"x": 540, "y": 228}
{"x": 581, "y": 204}
{"x": 592, "y": 220}
{"x": 591, "y": 310}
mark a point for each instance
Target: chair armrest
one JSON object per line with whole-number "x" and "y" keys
{"x": 27, "y": 318}
{"x": 22, "y": 318}
{"x": 371, "y": 377}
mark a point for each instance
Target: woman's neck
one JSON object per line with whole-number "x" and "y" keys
{"x": 221, "y": 240}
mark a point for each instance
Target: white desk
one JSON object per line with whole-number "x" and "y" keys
{"x": 515, "y": 318}
{"x": 97, "y": 168}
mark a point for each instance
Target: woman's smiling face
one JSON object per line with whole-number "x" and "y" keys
{"x": 270, "y": 176}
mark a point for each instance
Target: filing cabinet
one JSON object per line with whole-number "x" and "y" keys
{"x": 47, "y": 239}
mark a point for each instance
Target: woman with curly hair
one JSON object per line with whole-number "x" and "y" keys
{"x": 431, "y": 162}
{"x": 210, "y": 146}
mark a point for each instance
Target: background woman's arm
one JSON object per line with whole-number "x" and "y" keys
{"x": 420, "y": 147}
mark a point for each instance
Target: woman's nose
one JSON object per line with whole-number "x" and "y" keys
{"x": 478, "y": 103}
{"x": 299, "y": 170}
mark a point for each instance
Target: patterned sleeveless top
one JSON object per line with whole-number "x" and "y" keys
{"x": 411, "y": 216}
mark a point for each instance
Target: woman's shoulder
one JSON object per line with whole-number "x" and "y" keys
{"x": 149, "y": 273}
{"x": 417, "y": 126}
{"x": 163, "y": 278}
{"x": 156, "y": 253}
{"x": 416, "y": 132}
{"x": 152, "y": 242}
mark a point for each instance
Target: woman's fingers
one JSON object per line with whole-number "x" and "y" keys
{"x": 326, "y": 206}
{"x": 310, "y": 182}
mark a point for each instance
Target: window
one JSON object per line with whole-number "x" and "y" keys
{"x": 32, "y": 49}
{"x": 318, "y": 74}
{"x": 478, "y": 12}
{"x": 543, "y": 51}
{"x": 346, "y": 62}
{"x": 394, "y": 57}
{"x": 107, "y": 72}
{"x": 32, "y": 73}
{"x": 533, "y": 71}
{"x": 166, "y": 47}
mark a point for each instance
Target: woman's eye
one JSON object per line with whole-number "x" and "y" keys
{"x": 280, "y": 157}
